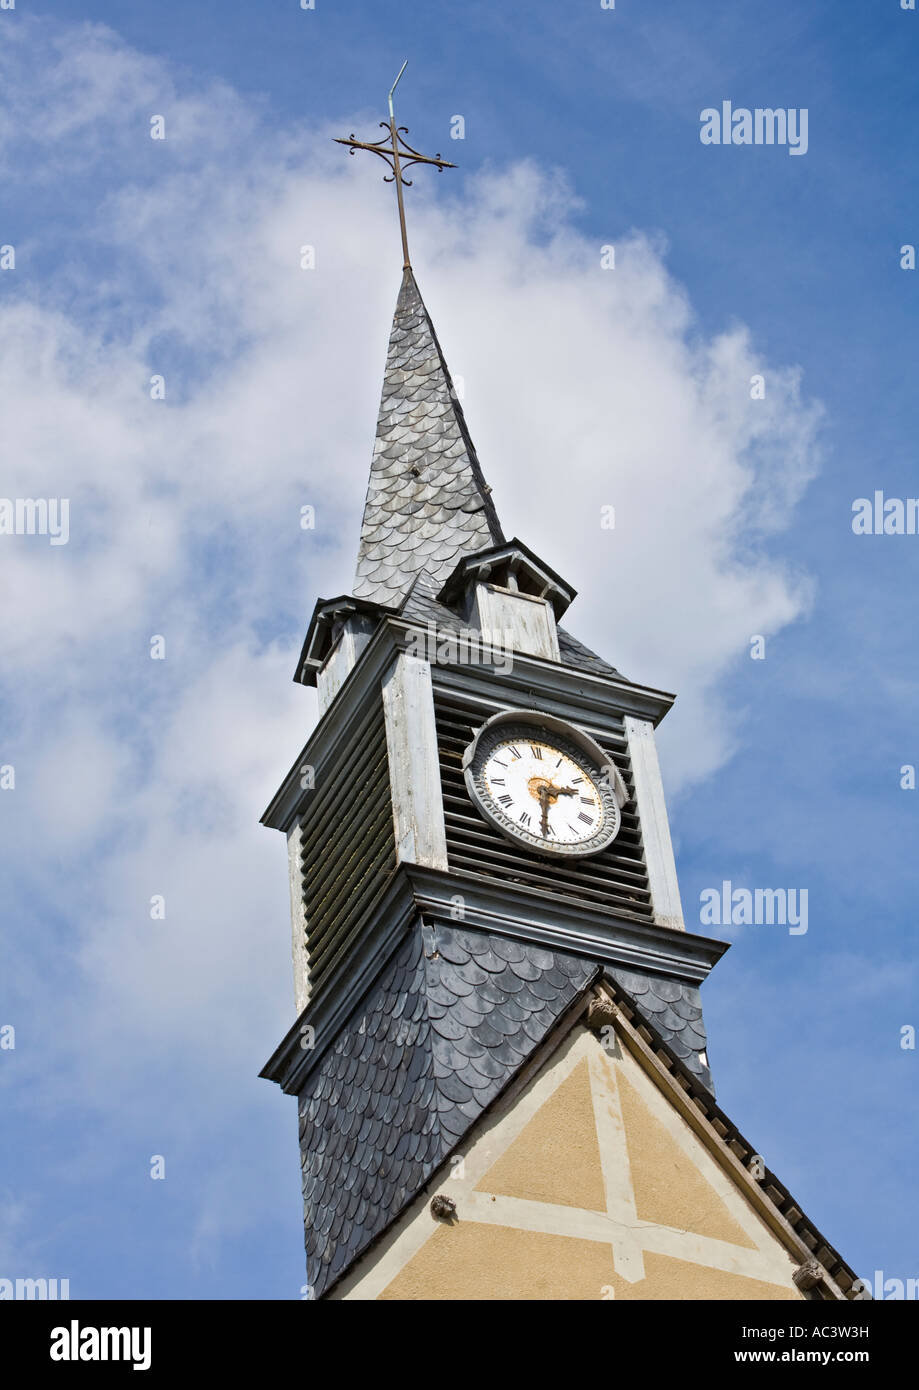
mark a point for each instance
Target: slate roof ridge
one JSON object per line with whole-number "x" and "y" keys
{"x": 427, "y": 501}
{"x": 697, "y": 1086}
{"x": 426, "y": 584}
{"x": 672, "y": 1009}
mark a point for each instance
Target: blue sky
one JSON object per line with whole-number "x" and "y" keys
{"x": 137, "y": 1037}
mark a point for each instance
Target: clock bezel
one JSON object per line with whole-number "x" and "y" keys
{"x": 570, "y": 740}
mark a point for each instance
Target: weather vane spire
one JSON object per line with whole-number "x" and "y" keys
{"x": 400, "y": 156}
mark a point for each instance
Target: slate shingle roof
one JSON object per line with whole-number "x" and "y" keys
{"x": 421, "y": 605}
{"x": 674, "y": 1009}
{"x": 427, "y": 502}
{"x": 449, "y": 1023}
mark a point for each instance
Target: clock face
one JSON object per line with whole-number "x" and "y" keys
{"x": 542, "y": 787}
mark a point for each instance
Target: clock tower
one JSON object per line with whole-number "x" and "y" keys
{"x": 499, "y": 1055}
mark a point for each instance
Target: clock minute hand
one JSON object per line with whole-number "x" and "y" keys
{"x": 543, "y": 793}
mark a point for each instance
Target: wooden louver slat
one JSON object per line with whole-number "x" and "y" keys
{"x": 347, "y": 853}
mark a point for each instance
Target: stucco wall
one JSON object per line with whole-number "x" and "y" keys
{"x": 587, "y": 1185}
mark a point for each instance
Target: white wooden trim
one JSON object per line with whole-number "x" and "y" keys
{"x": 297, "y": 918}
{"x": 655, "y": 827}
{"x": 414, "y": 769}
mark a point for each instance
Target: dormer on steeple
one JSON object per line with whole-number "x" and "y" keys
{"x": 339, "y": 631}
{"x": 512, "y": 597}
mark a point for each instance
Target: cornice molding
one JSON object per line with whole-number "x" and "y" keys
{"x": 561, "y": 924}
{"x": 429, "y": 895}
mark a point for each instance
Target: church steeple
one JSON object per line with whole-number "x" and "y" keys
{"x": 499, "y": 1056}
{"x": 428, "y": 504}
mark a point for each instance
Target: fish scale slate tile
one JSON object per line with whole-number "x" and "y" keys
{"x": 674, "y": 1009}
{"x": 423, "y": 454}
{"x": 386, "y": 1104}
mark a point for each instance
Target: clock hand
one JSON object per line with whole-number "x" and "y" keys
{"x": 555, "y": 792}
{"x": 543, "y": 794}
{"x": 548, "y": 793}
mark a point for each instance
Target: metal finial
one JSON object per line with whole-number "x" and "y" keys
{"x": 393, "y": 88}
{"x": 399, "y": 155}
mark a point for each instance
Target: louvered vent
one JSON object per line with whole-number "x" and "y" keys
{"x": 615, "y": 878}
{"x": 348, "y": 850}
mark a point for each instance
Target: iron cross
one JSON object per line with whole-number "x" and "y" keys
{"x": 399, "y": 155}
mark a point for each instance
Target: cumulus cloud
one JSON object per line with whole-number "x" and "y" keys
{"x": 584, "y": 388}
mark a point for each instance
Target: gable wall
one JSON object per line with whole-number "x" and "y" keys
{"x": 588, "y": 1184}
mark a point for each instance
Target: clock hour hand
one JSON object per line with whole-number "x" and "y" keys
{"x": 547, "y": 793}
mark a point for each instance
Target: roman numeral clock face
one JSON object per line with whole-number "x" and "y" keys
{"x": 544, "y": 784}
{"x": 544, "y": 790}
